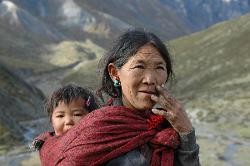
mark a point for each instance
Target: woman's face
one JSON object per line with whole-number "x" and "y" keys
{"x": 139, "y": 77}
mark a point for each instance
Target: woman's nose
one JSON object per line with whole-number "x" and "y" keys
{"x": 149, "y": 78}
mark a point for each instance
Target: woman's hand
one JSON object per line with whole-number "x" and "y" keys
{"x": 172, "y": 110}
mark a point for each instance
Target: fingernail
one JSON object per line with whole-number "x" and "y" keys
{"x": 153, "y": 97}
{"x": 162, "y": 85}
{"x": 154, "y": 110}
{"x": 158, "y": 87}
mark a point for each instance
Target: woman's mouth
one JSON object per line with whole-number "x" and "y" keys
{"x": 148, "y": 92}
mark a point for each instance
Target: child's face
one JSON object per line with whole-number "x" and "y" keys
{"x": 65, "y": 116}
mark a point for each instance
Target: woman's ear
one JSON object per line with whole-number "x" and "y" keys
{"x": 113, "y": 71}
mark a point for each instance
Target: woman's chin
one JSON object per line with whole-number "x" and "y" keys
{"x": 146, "y": 105}
{"x": 141, "y": 104}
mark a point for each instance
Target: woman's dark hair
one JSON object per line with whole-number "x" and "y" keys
{"x": 69, "y": 93}
{"x": 125, "y": 47}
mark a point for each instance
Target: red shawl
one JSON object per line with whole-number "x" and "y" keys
{"x": 107, "y": 133}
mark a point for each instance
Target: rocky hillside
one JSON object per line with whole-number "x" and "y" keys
{"x": 55, "y": 36}
{"x": 151, "y": 15}
{"x": 19, "y": 102}
{"x": 200, "y": 14}
{"x": 98, "y": 20}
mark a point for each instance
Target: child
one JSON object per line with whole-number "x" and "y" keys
{"x": 66, "y": 107}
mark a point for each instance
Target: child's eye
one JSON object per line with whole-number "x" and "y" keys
{"x": 79, "y": 114}
{"x": 59, "y": 116}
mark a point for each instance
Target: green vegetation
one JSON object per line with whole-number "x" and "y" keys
{"x": 212, "y": 69}
{"x": 86, "y": 71}
{"x": 212, "y": 76}
{"x": 86, "y": 74}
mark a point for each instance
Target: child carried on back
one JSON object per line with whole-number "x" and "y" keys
{"x": 65, "y": 107}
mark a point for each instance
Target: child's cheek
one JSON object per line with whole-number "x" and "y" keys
{"x": 57, "y": 126}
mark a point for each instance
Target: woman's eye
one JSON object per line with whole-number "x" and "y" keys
{"x": 139, "y": 67}
{"x": 161, "y": 67}
{"x": 59, "y": 116}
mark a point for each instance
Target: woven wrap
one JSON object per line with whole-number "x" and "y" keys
{"x": 107, "y": 133}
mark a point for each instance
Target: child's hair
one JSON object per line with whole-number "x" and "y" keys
{"x": 69, "y": 93}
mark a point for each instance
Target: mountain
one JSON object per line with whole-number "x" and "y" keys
{"x": 212, "y": 80}
{"x": 20, "y": 40}
{"x": 55, "y": 36}
{"x": 200, "y": 14}
{"x": 19, "y": 101}
{"x": 99, "y": 20}
{"x": 149, "y": 14}
{"x": 15, "y": 18}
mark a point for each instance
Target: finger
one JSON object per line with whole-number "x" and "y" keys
{"x": 163, "y": 92}
{"x": 172, "y": 101}
{"x": 170, "y": 116}
{"x": 160, "y": 112}
{"x": 163, "y": 102}
{"x": 165, "y": 114}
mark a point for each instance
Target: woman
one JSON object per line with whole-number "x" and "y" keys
{"x": 144, "y": 124}
{"x": 134, "y": 70}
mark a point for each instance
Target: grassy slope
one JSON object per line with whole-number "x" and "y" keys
{"x": 43, "y": 62}
{"x": 85, "y": 73}
{"x": 20, "y": 50}
{"x": 212, "y": 68}
{"x": 213, "y": 76}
